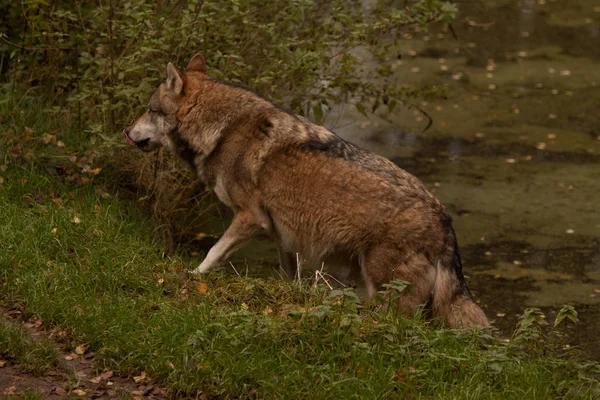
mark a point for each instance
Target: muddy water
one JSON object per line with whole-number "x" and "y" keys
{"x": 514, "y": 152}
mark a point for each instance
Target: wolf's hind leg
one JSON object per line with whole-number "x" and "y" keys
{"x": 242, "y": 228}
{"x": 381, "y": 265}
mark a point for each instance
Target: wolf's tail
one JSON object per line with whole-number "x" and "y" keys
{"x": 452, "y": 302}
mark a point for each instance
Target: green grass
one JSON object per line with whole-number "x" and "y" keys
{"x": 27, "y": 395}
{"x": 77, "y": 257}
{"x": 17, "y": 345}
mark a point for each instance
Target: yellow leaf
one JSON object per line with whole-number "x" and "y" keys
{"x": 80, "y": 350}
{"x": 203, "y": 288}
{"x": 47, "y": 138}
{"x": 84, "y": 179}
{"x": 97, "y": 208}
{"x": 3, "y": 363}
{"x": 76, "y": 220}
{"x": 139, "y": 379}
{"x": 79, "y": 392}
{"x": 96, "y": 171}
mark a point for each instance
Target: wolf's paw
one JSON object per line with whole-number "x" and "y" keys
{"x": 202, "y": 269}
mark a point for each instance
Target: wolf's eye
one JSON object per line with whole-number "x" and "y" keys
{"x": 155, "y": 111}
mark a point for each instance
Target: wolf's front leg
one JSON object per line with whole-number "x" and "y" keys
{"x": 242, "y": 228}
{"x": 287, "y": 261}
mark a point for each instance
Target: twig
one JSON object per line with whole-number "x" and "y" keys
{"x": 324, "y": 279}
{"x": 298, "y": 267}
{"x": 430, "y": 120}
{"x": 236, "y": 271}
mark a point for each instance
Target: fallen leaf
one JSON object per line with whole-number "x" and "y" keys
{"x": 203, "y": 288}
{"x": 1, "y": 180}
{"x": 60, "y": 391}
{"x": 400, "y": 376}
{"x": 79, "y": 392}
{"x": 10, "y": 390}
{"x": 71, "y": 356}
{"x": 139, "y": 379}
{"x": 47, "y": 138}
{"x": 96, "y": 171}
{"x": 84, "y": 179}
{"x": 76, "y": 220}
{"x": 80, "y": 349}
{"x": 107, "y": 374}
{"x": 597, "y": 291}
{"x": 3, "y": 363}
{"x": 96, "y": 379}
{"x": 500, "y": 314}
{"x": 570, "y": 231}
{"x": 170, "y": 364}
{"x": 60, "y": 144}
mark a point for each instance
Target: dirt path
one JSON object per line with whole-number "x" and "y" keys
{"x": 74, "y": 376}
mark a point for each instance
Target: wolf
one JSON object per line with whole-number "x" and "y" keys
{"x": 311, "y": 191}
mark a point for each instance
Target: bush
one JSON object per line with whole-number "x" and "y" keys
{"x": 97, "y": 62}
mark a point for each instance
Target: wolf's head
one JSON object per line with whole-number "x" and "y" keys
{"x": 152, "y": 129}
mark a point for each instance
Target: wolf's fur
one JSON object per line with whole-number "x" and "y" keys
{"x": 310, "y": 190}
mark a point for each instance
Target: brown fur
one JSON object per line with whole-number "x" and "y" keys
{"x": 313, "y": 192}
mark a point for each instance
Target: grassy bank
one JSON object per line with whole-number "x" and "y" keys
{"x": 78, "y": 254}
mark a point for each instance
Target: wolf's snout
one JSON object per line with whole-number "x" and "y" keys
{"x": 126, "y": 133}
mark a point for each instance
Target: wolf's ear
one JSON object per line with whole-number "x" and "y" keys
{"x": 196, "y": 64}
{"x": 174, "y": 79}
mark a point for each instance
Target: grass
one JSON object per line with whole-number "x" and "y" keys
{"x": 16, "y": 344}
{"x": 82, "y": 256}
